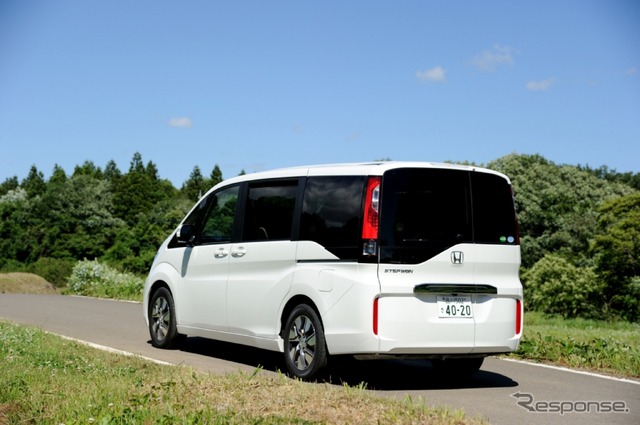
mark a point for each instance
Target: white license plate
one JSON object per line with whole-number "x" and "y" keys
{"x": 454, "y": 306}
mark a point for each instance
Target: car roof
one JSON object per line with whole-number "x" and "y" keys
{"x": 376, "y": 168}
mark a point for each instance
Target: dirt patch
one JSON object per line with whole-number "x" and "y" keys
{"x": 24, "y": 283}
{"x": 5, "y": 410}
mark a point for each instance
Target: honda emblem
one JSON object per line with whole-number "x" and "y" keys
{"x": 457, "y": 257}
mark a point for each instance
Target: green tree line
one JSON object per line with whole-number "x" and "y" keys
{"x": 119, "y": 217}
{"x": 579, "y": 227}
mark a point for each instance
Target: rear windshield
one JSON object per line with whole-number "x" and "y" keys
{"x": 426, "y": 211}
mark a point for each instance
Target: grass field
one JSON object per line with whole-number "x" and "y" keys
{"x": 48, "y": 380}
{"x": 612, "y": 348}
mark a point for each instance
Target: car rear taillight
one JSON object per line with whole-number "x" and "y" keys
{"x": 518, "y": 317}
{"x": 371, "y": 217}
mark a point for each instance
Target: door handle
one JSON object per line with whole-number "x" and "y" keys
{"x": 221, "y": 253}
{"x": 238, "y": 252}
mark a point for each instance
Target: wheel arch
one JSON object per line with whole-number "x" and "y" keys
{"x": 157, "y": 285}
{"x": 153, "y": 288}
{"x": 291, "y": 304}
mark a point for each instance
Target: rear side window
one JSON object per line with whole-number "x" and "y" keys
{"x": 269, "y": 211}
{"x": 423, "y": 212}
{"x": 331, "y": 214}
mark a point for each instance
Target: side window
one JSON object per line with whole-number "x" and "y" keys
{"x": 196, "y": 215}
{"x": 331, "y": 213}
{"x": 269, "y": 211}
{"x": 218, "y": 225}
{"x": 194, "y": 219}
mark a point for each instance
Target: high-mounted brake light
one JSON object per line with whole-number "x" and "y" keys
{"x": 371, "y": 217}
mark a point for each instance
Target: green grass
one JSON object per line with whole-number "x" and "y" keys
{"x": 47, "y": 380}
{"x": 609, "y": 347}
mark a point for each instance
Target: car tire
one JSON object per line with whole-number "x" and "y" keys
{"x": 305, "y": 348}
{"x": 162, "y": 320}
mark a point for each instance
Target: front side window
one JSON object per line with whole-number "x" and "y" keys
{"x": 194, "y": 219}
{"x": 423, "y": 212}
{"x": 269, "y": 211}
{"x": 218, "y": 225}
{"x": 331, "y": 214}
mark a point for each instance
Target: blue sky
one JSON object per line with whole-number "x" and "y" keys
{"x": 255, "y": 85}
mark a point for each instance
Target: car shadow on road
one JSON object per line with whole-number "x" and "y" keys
{"x": 382, "y": 375}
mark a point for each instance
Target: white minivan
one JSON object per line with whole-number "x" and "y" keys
{"x": 401, "y": 259}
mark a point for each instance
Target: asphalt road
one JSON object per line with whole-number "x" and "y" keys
{"x": 503, "y": 392}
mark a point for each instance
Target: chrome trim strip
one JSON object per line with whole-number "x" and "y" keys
{"x": 453, "y": 288}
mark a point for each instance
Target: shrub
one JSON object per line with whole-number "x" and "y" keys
{"x": 96, "y": 279}
{"x": 53, "y": 270}
{"x": 554, "y": 285}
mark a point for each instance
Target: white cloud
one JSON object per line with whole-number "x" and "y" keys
{"x": 433, "y": 75}
{"x": 490, "y": 60}
{"x": 181, "y": 122}
{"x": 541, "y": 85}
{"x": 632, "y": 71}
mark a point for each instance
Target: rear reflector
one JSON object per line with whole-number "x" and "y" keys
{"x": 518, "y": 317}
{"x": 375, "y": 316}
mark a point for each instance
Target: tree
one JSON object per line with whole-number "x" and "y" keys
{"x": 11, "y": 183}
{"x": 554, "y": 285}
{"x": 136, "y": 245}
{"x": 195, "y": 186}
{"x": 74, "y": 220}
{"x": 58, "y": 176}
{"x": 557, "y": 205}
{"x": 111, "y": 171}
{"x": 15, "y": 220}
{"x": 34, "y": 183}
{"x": 216, "y": 176}
{"x": 139, "y": 190}
{"x": 136, "y": 165}
{"x": 152, "y": 170}
{"x": 88, "y": 168}
{"x": 617, "y": 251}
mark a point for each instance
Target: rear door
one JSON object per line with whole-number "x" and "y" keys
{"x": 498, "y": 261}
{"x": 262, "y": 263}
{"x": 449, "y": 259}
{"x": 427, "y": 259}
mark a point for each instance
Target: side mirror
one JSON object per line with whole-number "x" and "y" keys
{"x": 185, "y": 234}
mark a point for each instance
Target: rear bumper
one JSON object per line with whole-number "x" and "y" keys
{"x": 408, "y": 325}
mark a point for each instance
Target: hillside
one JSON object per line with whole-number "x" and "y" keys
{"x": 24, "y": 283}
